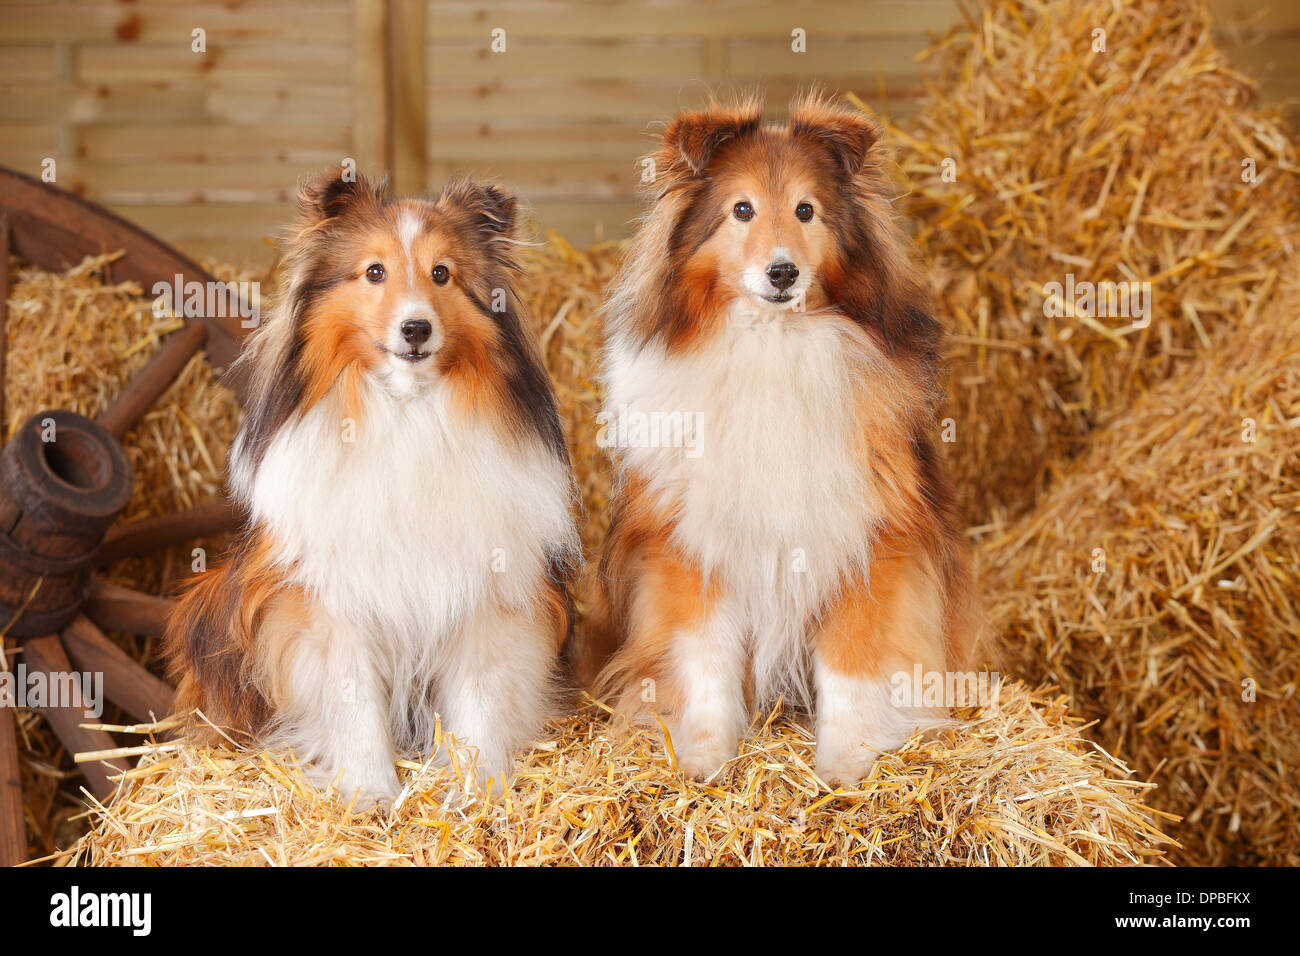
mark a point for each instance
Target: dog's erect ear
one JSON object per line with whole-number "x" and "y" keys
{"x": 692, "y": 138}
{"x": 848, "y": 133}
{"x": 493, "y": 210}
{"x": 335, "y": 191}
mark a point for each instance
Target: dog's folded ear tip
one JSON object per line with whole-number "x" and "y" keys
{"x": 495, "y": 208}
{"x": 694, "y": 136}
{"x": 329, "y": 193}
{"x": 848, "y": 131}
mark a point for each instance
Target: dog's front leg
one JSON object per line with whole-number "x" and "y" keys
{"x": 683, "y": 656}
{"x": 709, "y": 663}
{"x": 333, "y": 710}
{"x": 871, "y": 633}
{"x": 497, "y": 685}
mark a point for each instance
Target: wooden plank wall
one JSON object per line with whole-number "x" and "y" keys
{"x": 562, "y": 112}
{"x": 1262, "y": 37}
{"x": 205, "y": 148}
{"x": 202, "y": 148}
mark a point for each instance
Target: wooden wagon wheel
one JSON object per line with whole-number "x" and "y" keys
{"x": 58, "y": 497}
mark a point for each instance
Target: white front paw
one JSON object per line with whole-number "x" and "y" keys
{"x": 847, "y": 750}
{"x": 841, "y": 765}
{"x": 701, "y": 753}
{"x": 375, "y": 789}
{"x": 857, "y": 721}
{"x": 368, "y": 798}
{"x": 493, "y": 771}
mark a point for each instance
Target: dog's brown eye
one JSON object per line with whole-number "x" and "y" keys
{"x": 441, "y": 274}
{"x": 375, "y": 272}
{"x": 804, "y": 212}
{"x": 743, "y": 211}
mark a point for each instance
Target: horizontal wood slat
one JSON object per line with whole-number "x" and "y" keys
{"x": 111, "y": 21}
{"x": 215, "y": 143}
{"x": 69, "y": 105}
{"x": 460, "y": 20}
{"x": 226, "y": 65}
{"x": 206, "y": 148}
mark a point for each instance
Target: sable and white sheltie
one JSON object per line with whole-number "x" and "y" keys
{"x": 409, "y": 539}
{"x": 805, "y": 546}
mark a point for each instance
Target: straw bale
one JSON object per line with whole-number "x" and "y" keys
{"x": 1159, "y": 584}
{"x": 1037, "y": 156}
{"x": 1016, "y": 785}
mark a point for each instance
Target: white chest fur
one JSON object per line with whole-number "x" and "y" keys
{"x": 774, "y": 498}
{"x": 409, "y": 517}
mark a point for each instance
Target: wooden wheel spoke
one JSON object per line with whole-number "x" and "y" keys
{"x": 155, "y": 378}
{"x": 154, "y": 534}
{"x": 116, "y": 608}
{"x": 126, "y": 683}
{"x": 46, "y": 655}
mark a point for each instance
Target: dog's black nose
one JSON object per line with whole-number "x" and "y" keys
{"x": 416, "y": 331}
{"x": 782, "y": 274}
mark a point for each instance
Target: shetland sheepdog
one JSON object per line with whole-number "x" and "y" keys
{"x": 805, "y": 548}
{"x": 409, "y": 539}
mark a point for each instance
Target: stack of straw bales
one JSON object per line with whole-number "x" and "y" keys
{"x": 1128, "y": 164}
{"x": 1038, "y": 156}
{"x": 1159, "y": 584}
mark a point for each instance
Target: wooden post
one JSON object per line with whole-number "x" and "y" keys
{"x": 13, "y": 826}
{"x": 408, "y": 88}
{"x": 371, "y": 120}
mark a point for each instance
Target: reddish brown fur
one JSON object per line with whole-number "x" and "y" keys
{"x": 650, "y": 590}
{"x": 223, "y": 610}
